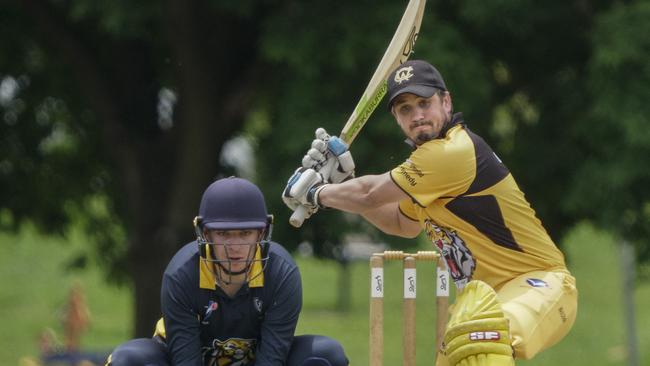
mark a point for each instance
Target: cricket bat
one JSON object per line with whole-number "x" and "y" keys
{"x": 398, "y": 51}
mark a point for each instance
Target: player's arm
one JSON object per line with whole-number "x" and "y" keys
{"x": 281, "y": 318}
{"x": 181, "y": 324}
{"x": 375, "y": 197}
{"x": 389, "y": 219}
{"x": 362, "y": 194}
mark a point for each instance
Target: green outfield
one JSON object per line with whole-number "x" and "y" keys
{"x": 33, "y": 288}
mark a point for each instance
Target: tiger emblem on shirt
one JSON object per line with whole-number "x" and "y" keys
{"x": 231, "y": 352}
{"x": 460, "y": 262}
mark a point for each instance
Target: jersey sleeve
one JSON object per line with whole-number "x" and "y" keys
{"x": 407, "y": 208}
{"x": 181, "y": 323}
{"x": 435, "y": 169}
{"x": 280, "y": 319}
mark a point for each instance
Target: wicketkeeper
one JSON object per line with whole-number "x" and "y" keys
{"x": 516, "y": 295}
{"x": 232, "y": 296}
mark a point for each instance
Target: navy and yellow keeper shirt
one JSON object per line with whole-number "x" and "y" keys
{"x": 204, "y": 326}
{"x": 471, "y": 208}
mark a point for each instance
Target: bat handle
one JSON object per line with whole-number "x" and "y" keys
{"x": 298, "y": 216}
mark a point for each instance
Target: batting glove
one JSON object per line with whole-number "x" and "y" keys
{"x": 329, "y": 156}
{"x": 303, "y": 188}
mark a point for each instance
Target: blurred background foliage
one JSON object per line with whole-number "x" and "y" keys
{"x": 115, "y": 114}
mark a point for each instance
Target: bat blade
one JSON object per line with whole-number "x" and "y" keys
{"x": 398, "y": 51}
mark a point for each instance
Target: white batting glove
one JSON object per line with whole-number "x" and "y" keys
{"x": 303, "y": 188}
{"x": 329, "y": 156}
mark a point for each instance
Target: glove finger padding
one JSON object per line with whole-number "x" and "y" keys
{"x": 305, "y": 180}
{"x": 478, "y": 332}
{"x": 329, "y": 156}
{"x": 291, "y": 202}
{"x": 321, "y": 134}
{"x": 320, "y": 145}
{"x": 295, "y": 203}
{"x": 308, "y": 162}
{"x": 316, "y": 156}
{"x": 342, "y": 166}
{"x": 302, "y": 189}
{"x": 287, "y": 198}
{"x": 346, "y": 163}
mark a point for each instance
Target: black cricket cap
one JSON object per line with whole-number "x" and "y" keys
{"x": 415, "y": 76}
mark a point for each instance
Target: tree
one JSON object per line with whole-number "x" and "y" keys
{"x": 90, "y": 87}
{"x": 611, "y": 184}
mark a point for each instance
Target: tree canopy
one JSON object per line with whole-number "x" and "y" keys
{"x": 114, "y": 114}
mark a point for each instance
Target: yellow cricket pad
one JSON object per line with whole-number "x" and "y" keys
{"x": 478, "y": 332}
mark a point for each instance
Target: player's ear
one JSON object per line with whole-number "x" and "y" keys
{"x": 392, "y": 111}
{"x": 446, "y": 101}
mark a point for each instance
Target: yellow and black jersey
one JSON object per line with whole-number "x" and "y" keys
{"x": 471, "y": 208}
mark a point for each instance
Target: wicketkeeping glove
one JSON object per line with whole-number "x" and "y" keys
{"x": 303, "y": 188}
{"x": 329, "y": 156}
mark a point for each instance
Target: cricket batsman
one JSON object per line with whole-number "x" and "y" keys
{"x": 516, "y": 296}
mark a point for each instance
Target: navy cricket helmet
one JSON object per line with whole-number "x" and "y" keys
{"x": 233, "y": 203}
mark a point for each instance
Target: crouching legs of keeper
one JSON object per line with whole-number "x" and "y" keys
{"x": 306, "y": 350}
{"x": 539, "y": 310}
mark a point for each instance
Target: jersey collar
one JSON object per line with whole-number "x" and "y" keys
{"x": 206, "y": 277}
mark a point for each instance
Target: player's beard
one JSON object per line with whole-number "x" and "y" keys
{"x": 423, "y": 137}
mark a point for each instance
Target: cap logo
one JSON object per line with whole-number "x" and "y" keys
{"x": 403, "y": 74}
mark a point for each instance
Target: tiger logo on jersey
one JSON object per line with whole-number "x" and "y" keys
{"x": 231, "y": 352}
{"x": 460, "y": 261}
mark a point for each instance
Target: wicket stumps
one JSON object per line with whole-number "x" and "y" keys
{"x": 376, "y": 339}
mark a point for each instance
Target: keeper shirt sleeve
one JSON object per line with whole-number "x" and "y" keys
{"x": 438, "y": 168}
{"x": 181, "y": 323}
{"x": 281, "y": 318}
